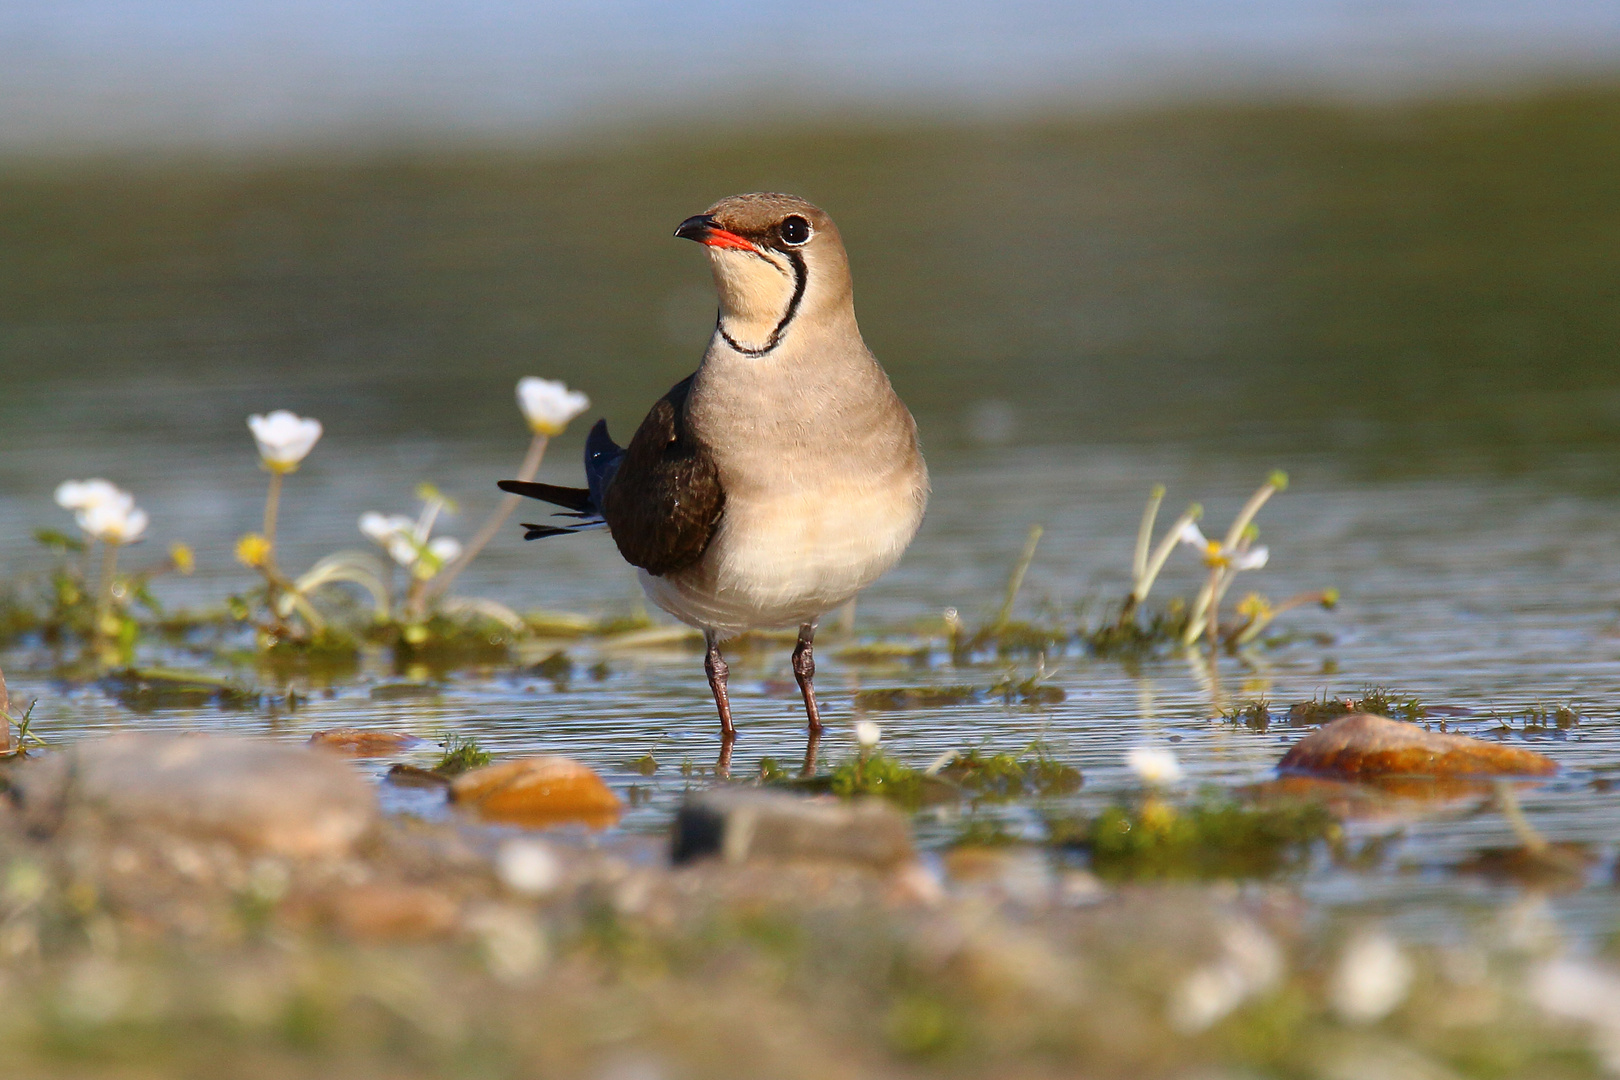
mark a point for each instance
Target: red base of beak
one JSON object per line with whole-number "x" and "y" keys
{"x": 720, "y": 238}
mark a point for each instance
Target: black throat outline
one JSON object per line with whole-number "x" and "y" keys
{"x": 801, "y": 276}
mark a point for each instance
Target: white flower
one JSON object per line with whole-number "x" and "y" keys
{"x": 1372, "y": 978}
{"x": 383, "y": 527}
{"x": 440, "y": 552}
{"x": 548, "y": 404}
{"x": 83, "y": 494}
{"x": 1217, "y": 554}
{"x": 1154, "y": 765}
{"x": 867, "y": 734}
{"x": 284, "y": 438}
{"x": 407, "y": 543}
{"x": 119, "y": 521}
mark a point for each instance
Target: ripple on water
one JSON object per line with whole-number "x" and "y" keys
{"x": 1488, "y": 596}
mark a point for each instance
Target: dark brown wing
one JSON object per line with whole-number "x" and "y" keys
{"x": 665, "y": 500}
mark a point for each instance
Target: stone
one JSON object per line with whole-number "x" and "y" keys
{"x": 363, "y": 742}
{"x": 541, "y": 790}
{"x": 1365, "y": 746}
{"x": 740, "y": 826}
{"x": 261, "y": 796}
{"x": 378, "y": 911}
{"x": 1371, "y": 798}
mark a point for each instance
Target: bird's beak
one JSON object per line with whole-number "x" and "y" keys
{"x": 702, "y": 228}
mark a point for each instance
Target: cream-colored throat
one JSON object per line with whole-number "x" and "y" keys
{"x": 755, "y": 292}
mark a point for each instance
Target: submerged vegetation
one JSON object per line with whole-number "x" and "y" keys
{"x": 1258, "y": 714}
{"x": 1213, "y": 836}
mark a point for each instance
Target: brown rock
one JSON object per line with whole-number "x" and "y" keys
{"x": 379, "y": 911}
{"x": 1365, "y": 746}
{"x": 740, "y": 826}
{"x": 537, "y": 791}
{"x": 1372, "y": 798}
{"x": 261, "y": 796}
{"x": 363, "y": 742}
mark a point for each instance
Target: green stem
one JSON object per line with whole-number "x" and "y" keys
{"x": 104, "y": 598}
{"x": 1155, "y": 562}
{"x": 272, "y": 507}
{"x": 1144, "y": 536}
{"x": 1016, "y": 581}
{"x": 1260, "y": 622}
{"x": 1197, "y": 622}
{"x": 492, "y": 525}
{"x": 1274, "y": 483}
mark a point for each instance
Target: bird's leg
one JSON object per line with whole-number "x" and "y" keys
{"x": 810, "y": 746}
{"x": 715, "y": 665}
{"x": 722, "y": 768}
{"x": 804, "y": 669}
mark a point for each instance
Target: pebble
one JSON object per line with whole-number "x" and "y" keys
{"x": 739, "y": 826}
{"x": 363, "y": 742}
{"x": 261, "y": 796}
{"x": 528, "y": 867}
{"x": 537, "y": 791}
{"x": 378, "y": 912}
{"x": 1365, "y": 745}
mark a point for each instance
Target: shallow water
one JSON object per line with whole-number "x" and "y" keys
{"x": 1409, "y": 308}
{"x": 1481, "y": 595}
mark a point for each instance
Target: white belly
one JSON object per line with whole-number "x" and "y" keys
{"x": 788, "y": 560}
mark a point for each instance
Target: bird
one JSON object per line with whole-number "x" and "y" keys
{"x": 780, "y": 478}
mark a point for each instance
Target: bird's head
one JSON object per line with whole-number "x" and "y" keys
{"x": 777, "y": 260}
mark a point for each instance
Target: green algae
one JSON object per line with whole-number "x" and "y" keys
{"x": 1215, "y": 836}
{"x": 1258, "y": 714}
{"x": 889, "y": 699}
{"x": 460, "y": 753}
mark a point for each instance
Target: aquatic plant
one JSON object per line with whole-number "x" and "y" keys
{"x": 94, "y": 602}
{"x": 284, "y": 440}
{"x": 1032, "y": 771}
{"x": 1149, "y": 560}
{"x": 1226, "y": 558}
{"x": 412, "y": 546}
{"x": 548, "y": 405}
{"x": 460, "y": 754}
{"x": 1213, "y": 836}
{"x": 1182, "y": 622}
{"x": 1005, "y": 635}
{"x": 1374, "y": 699}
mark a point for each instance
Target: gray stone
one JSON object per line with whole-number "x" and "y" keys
{"x": 261, "y": 796}
{"x": 738, "y": 826}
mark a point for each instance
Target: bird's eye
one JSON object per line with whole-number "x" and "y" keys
{"x": 794, "y": 230}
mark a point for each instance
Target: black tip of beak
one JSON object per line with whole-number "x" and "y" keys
{"x": 695, "y": 227}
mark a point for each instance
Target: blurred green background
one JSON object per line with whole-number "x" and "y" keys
{"x": 1412, "y": 285}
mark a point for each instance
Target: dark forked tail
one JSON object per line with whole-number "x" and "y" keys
{"x": 602, "y": 456}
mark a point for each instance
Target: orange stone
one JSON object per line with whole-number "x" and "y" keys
{"x": 537, "y": 791}
{"x": 1365, "y": 746}
{"x": 362, "y": 742}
